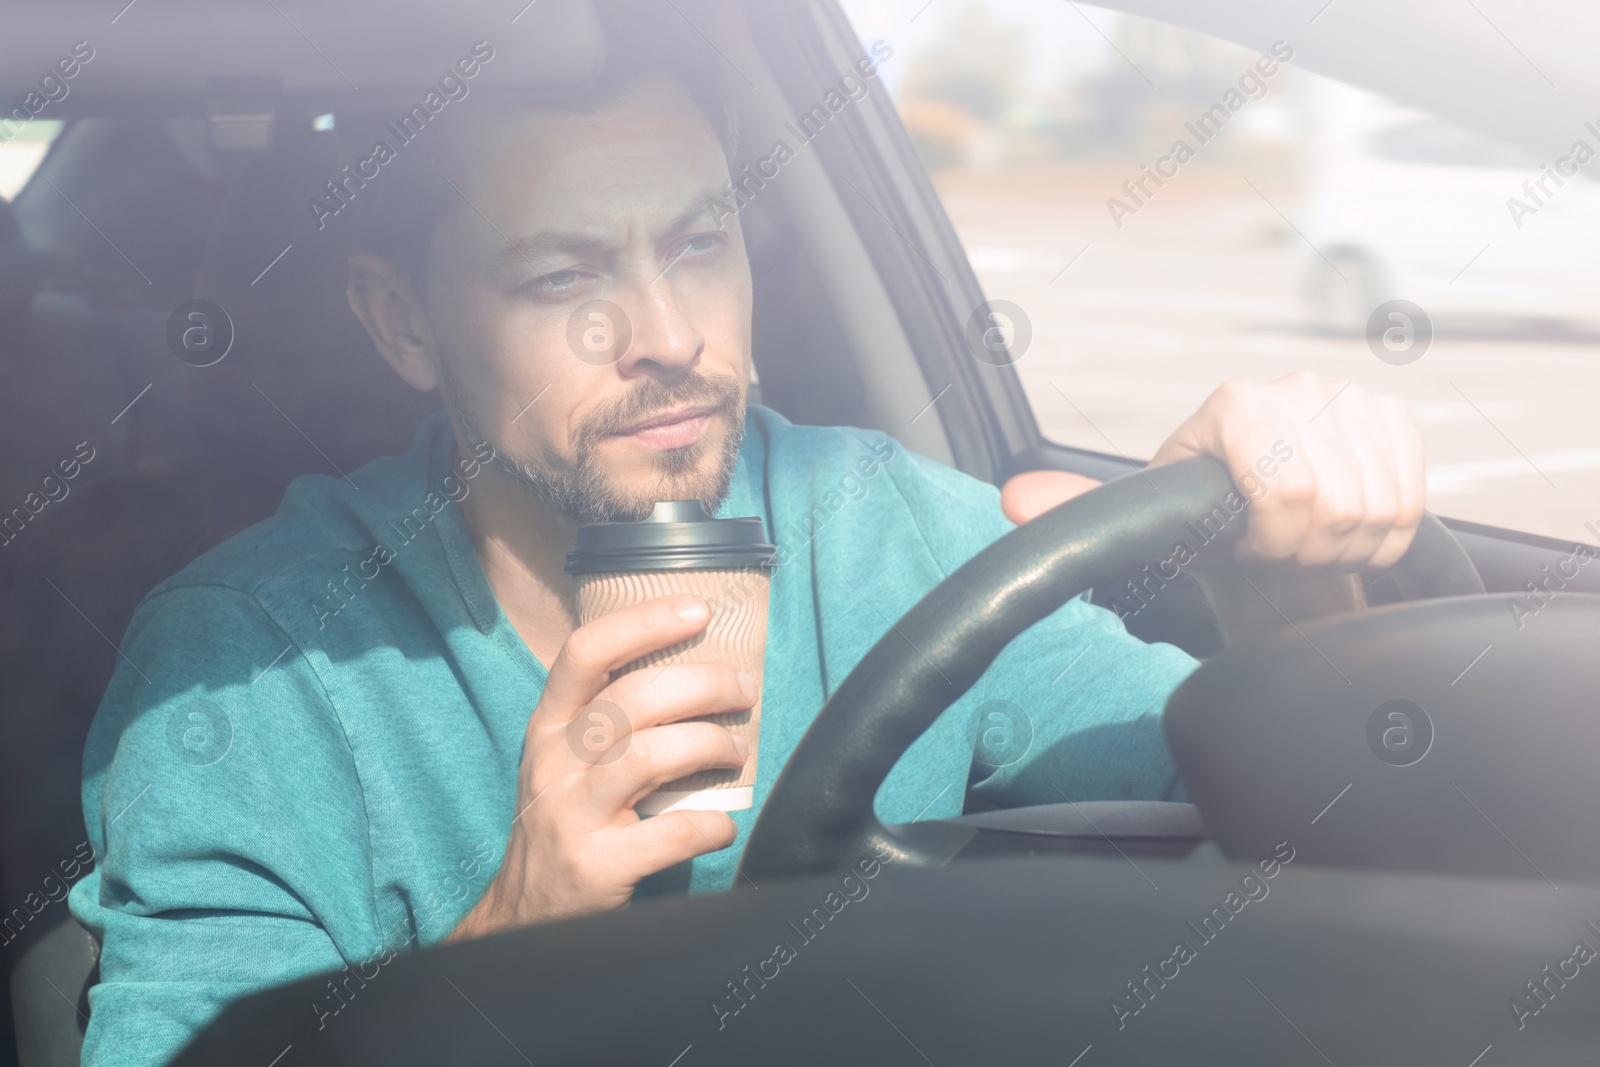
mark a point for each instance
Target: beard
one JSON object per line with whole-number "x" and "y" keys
{"x": 586, "y": 491}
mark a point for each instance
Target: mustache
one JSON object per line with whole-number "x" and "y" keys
{"x": 653, "y": 396}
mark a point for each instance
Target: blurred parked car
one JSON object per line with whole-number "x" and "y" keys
{"x": 1387, "y": 215}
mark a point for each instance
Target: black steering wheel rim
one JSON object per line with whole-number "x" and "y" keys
{"x": 819, "y": 816}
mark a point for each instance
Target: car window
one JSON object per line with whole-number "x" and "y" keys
{"x": 22, "y": 149}
{"x": 1169, "y": 211}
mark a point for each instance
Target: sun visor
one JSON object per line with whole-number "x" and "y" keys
{"x": 73, "y": 58}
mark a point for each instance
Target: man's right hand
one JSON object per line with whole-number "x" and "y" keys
{"x": 576, "y": 844}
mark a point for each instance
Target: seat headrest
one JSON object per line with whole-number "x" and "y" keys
{"x": 281, "y": 279}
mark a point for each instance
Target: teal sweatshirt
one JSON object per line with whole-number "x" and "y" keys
{"x": 307, "y": 759}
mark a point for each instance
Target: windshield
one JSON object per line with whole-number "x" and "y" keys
{"x": 484, "y": 472}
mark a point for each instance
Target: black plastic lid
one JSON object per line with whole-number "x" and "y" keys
{"x": 679, "y": 535}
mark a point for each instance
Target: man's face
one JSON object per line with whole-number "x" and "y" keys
{"x": 634, "y": 400}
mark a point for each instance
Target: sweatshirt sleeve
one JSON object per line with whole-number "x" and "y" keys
{"x": 1071, "y": 709}
{"x": 222, "y": 799}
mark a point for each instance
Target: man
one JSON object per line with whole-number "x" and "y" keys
{"x": 348, "y": 731}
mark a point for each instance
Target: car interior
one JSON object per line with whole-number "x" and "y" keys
{"x": 194, "y": 138}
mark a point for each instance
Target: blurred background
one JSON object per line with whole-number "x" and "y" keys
{"x": 1267, "y": 252}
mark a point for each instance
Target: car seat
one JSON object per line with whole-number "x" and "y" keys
{"x": 302, "y": 390}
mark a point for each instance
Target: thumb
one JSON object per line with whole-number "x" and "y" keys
{"x": 1030, "y": 494}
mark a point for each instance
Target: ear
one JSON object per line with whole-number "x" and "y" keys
{"x": 383, "y": 298}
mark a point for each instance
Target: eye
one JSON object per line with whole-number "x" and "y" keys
{"x": 700, "y": 244}
{"x": 555, "y": 283}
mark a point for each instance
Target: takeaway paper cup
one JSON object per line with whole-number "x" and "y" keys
{"x": 681, "y": 548}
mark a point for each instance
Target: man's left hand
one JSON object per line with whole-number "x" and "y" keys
{"x": 1350, "y": 494}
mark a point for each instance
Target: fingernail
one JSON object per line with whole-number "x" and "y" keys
{"x": 747, "y": 685}
{"x": 691, "y": 609}
{"x": 742, "y": 747}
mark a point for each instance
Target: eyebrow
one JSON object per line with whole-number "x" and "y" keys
{"x": 522, "y": 250}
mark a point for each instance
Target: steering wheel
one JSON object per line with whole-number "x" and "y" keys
{"x": 819, "y": 816}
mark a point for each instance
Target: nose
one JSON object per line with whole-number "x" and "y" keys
{"x": 665, "y": 340}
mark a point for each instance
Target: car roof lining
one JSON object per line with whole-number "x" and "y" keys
{"x": 323, "y": 55}
{"x": 1454, "y": 59}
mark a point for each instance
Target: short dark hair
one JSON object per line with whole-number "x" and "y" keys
{"x": 643, "y": 41}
